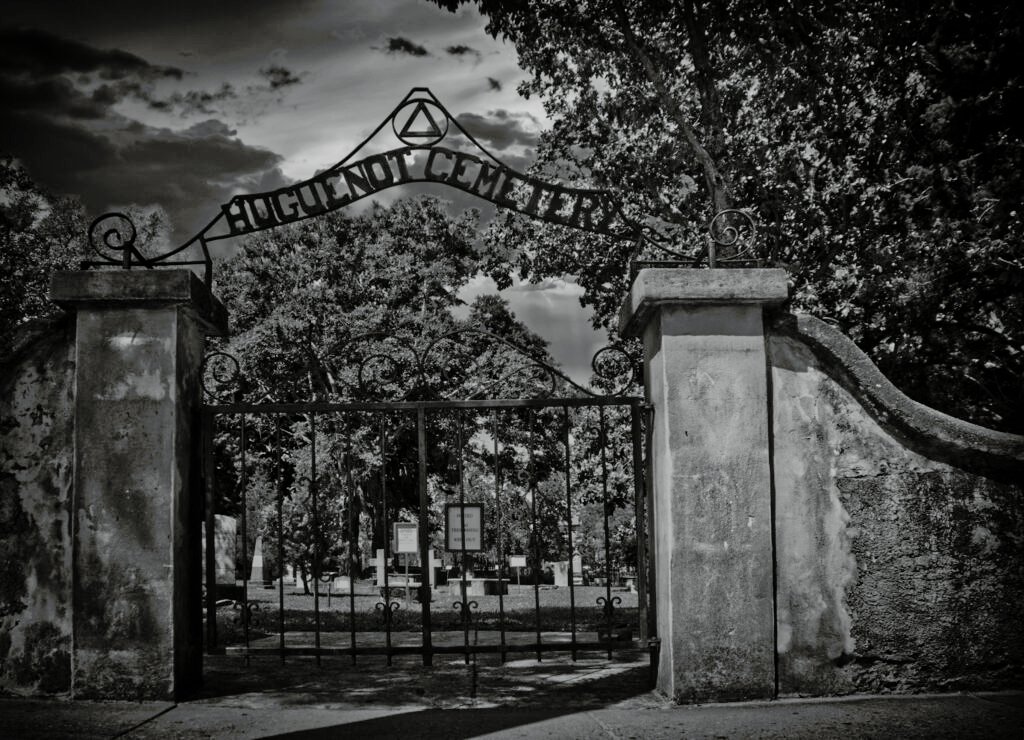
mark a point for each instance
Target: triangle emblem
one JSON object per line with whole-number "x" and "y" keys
{"x": 421, "y": 124}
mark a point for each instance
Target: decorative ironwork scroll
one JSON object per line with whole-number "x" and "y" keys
{"x": 733, "y": 233}
{"x": 420, "y": 124}
{"x": 387, "y": 608}
{"x": 466, "y": 363}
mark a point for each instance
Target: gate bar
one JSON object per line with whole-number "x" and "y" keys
{"x": 464, "y": 601}
{"x": 382, "y": 565}
{"x": 640, "y": 517}
{"x": 608, "y": 604}
{"x": 501, "y": 533}
{"x": 243, "y": 484}
{"x": 536, "y": 530}
{"x": 353, "y": 541}
{"x": 651, "y": 581}
{"x": 568, "y": 519}
{"x": 316, "y": 534}
{"x": 280, "y": 531}
{"x": 211, "y": 551}
{"x": 424, "y": 531}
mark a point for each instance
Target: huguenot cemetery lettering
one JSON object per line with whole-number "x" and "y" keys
{"x": 591, "y": 210}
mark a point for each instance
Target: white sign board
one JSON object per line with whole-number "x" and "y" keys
{"x": 517, "y": 561}
{"x": 405, "y": 537}
{"x": 463, "y": 525}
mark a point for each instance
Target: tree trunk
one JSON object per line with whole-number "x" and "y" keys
{"x": 718, "y": 190}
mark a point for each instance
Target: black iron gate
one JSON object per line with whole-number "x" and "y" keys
{"x": 536, "y": 506}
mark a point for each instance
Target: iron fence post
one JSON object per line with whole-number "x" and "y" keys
{"x": 421, "y": 436}
{"x": 211, "y": 531}
{"x": 640, "y": 517}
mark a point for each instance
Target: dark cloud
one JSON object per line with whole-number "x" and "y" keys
{"x": 38, "y": 53}
{"x": 278, "y": 76}
{"x": 499, "y": 129}
{"x": 55, "y": 96}
{"x": 207, "y": 103}
{"x": 62, "y": 125}
{"x": 195, "y": 101}
{"x": 402, "y": 45}
{"x": 43, "y": 72}
{"x": 495, "y": 84}
{"x": 49, "y": 74}
{"x": 195, "y": 19}
{"x": 211, "y": 127}
{"x": 461, "y": 50}
{"x": 189, "y": 173}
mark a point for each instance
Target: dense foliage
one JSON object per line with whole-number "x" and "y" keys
{"x": 39, "y": 233}
{"x": 877, "y": 144}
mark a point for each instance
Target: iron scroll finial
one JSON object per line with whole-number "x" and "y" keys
{"x": 113, "y": 237}
{"x": 224, "y": 373}
{"x": 115, "y": 232}
{"x": 733, "y": 232}
{"x": 614, "y": 369}
{"x": 731, "y": 240}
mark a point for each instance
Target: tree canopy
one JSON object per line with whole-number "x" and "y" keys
{"x": 876, "y": 144}
{"x": 39, "y": 233}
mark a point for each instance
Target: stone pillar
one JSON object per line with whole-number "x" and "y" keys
{"x": 137, "y": 511}
{"x": 706, "y": 375}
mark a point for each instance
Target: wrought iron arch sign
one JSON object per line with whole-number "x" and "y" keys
{"x": 420, "y": 124}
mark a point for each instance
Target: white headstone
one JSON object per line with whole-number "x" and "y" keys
{"x": 224, "y": 528}
{"x": 256, "y": 574}
{"x": 433, "y": 565}
{"x": 378, "y": 568}
{"x": 561, "y": 569}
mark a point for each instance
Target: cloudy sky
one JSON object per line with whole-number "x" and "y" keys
{"x": 186, "y": 104}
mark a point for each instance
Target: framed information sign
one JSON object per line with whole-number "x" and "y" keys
{"x": 404, "y": 539}
{"x": 463, "y": 527}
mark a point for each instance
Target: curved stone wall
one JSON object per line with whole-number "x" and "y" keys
{"x": 899, "y": 531}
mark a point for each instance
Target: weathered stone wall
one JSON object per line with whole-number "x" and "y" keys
{"x": 100, "y": 502}
{"x": 36, "y": 472}
{"x": 899, "y": 531}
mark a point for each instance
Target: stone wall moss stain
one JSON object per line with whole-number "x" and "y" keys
{"x": 36, "y": 394}
{"x": 932, "y": 609}
{"x": 105, "y": 676}
{"x": 45, "y": 660}
{"x": 114, "y": 604}
{"x": 19, "y": 540}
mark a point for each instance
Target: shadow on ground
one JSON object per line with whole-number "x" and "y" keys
{"x": 437, "y": 723}
{"x": 450, "y": 683}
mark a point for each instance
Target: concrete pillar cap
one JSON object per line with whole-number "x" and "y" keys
{"x": 78, "y": 289}
{"x": 685, "y": 286}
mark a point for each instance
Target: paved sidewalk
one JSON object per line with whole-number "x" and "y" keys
{"x": 593, "y": 698}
